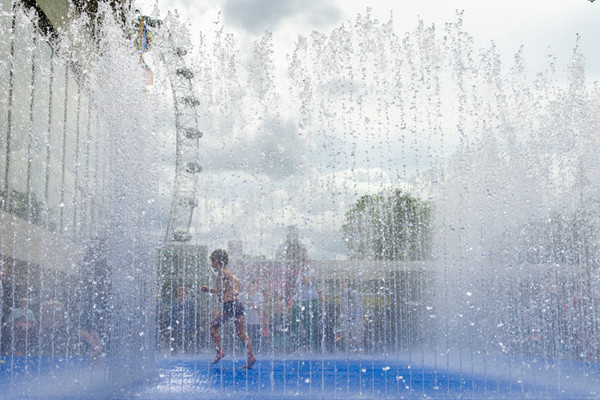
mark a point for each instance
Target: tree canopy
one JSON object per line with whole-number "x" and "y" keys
{"x": 394, "y": 226}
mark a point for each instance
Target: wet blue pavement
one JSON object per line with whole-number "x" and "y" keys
{"x": 335, "y": 379}
{"x": 319, "y": 378}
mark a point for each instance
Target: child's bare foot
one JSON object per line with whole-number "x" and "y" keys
{"x": 250, "y": 363}
{"x": 219, "y": 355}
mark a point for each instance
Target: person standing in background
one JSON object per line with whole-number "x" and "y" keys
{"x": 305, "y": 310}
{"x": 22, "y": 320}
{"x": 352, "y": 317}
{"x": 182, "y": 321}
{"x": 253, "y": 299}
{"x": 54, "y": 325}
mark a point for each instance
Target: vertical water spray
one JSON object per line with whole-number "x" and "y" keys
{"x": 456, "y": 195}
{"x": 75, "y": 213}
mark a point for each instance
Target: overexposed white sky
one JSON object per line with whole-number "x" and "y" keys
{"x": 543, "y": 27}
{"x": 240, "y": 157}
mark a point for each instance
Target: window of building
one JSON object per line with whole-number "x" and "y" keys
{"x": 5, "y": 64}
{"x": 55, "y": 141}
{"x": 40, "y": 125}
{"x": 20, "y": 123}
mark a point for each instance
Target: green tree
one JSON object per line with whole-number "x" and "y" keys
{"x": 396, "y": 226}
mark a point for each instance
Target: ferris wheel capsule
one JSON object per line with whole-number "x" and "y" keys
{"x": 193, "y": 167}
{"x": 181, "y": 236}
{"x": 185, "y": 72}
{"x": 193, "y": 133}
{"x": 190, "y": 101}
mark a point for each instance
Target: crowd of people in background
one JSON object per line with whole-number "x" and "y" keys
{"x": 68, "y": 318}
{"x": 552, "y": 317}
{"x": 50, "y": 330}
{"x": 556, "y": 317}
{"x": 298, "y": 320}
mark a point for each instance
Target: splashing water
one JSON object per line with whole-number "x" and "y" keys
{"x": 495, "y": 294}
{"x": 76, "y": 288}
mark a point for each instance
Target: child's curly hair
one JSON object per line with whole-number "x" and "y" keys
{"x": 220, "y": 256}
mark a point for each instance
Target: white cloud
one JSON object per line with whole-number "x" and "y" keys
{"x": 273, "y": 149}
{"x": 265, "y": 168}
{"x": 256, "y": 16}
{"x": 542, "y": 26}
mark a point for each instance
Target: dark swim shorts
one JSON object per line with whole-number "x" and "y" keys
{"x": 230, "y": 309}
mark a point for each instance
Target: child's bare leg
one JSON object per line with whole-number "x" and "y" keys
{"x": 241, "y": 332}
{"x": 216, "y": 337}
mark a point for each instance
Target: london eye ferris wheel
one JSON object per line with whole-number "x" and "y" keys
{"x": 165, "y": 38}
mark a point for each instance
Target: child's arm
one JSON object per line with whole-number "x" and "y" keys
{"x": 208, "y": 289}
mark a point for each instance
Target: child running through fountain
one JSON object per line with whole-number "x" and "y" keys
{"x": 227, "y": 289}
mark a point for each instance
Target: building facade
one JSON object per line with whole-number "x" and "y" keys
{"x": 52, "y": 162}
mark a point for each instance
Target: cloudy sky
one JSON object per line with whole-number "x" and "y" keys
{"x": 543, "y": 26}
{"x": 275, "y": 163}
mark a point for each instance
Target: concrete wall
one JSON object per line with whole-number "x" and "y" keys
{"x": 365, "y": 269}
{"x": 35, "y": 245}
